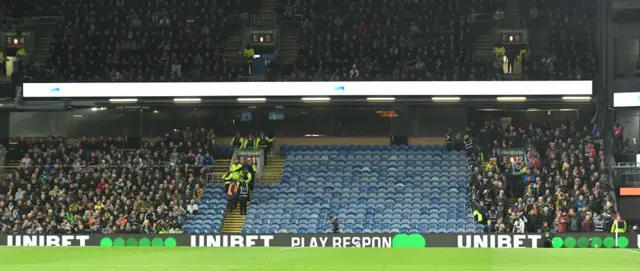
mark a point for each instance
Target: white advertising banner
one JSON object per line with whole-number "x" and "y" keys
{"x": 626, "y": 99}
{"x": 331, "y": 89}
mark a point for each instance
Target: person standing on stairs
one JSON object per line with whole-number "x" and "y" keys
{"x": 232, "y": 197}
{"x": 243, "y": 197}
{"x": 249, "y": 53}
{"x": 3, "y": 63}
{"x": 250, "y": 167}
{"x": 264, "y": 143}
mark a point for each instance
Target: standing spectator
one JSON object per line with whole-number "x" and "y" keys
{"x": 243, "y": 197}
{"x": 618, "y": 130}
{"x": 354, "y": 73}
{"x": 192, "y": 208}
{"x": 563, "y": 222}
{"x": 586, "y": 225}
{"x": 232, "y": 197}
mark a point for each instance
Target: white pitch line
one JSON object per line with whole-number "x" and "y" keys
{"x": 630, "y": 250}
{"x": 289, "y": 248}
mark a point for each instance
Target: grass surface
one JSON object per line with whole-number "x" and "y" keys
{"x": 284, "y": 259}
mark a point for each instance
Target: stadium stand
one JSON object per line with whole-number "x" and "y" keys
{"x": 570, "y": 49}
{"x": 564, "y": 185}
{"x": 356, "y": 40}
{"x": 96, "y": 185}
{"x": 392, "y": 40}
{"x": 371, "y": 188}
{"x": 124, "y": 41}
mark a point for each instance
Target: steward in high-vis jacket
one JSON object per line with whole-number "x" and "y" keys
{"x": 468, "y": 145}
{"x": 250, "y": 142}
{"x": 243, "y": 197}
{"x": 245, "y": 177}
{"x": 599, "y": 223}
{"x": 250, "y": 167}
{"x": 263, "y": 142}
{"x": 249, "y": 53}
{"x": 228, "y": 179}
{"x": 237, "y": 142}
{"x": 448, "y": 139}
{"x": 620, "y": 223}
{"x": 236, "y": 169}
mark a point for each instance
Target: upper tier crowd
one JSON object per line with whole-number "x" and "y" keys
{"x": 165, "y": 40}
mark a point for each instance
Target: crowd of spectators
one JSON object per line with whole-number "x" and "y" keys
{"x": 96, "y": 185}
{"x": 560, "y": 185}
{"x": 572, "y": 38}
{"x": 388, "y": 40}
{"x": 124, "y": 41}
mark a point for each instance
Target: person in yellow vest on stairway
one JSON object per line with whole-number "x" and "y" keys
{"x": 522, "y": 59}
{"x": 249, "y": 53}
{"x": 3, "y": 63}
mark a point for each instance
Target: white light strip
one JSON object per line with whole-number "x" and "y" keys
{"x": 511, "y": 99}
{"x": 381, "y": 99}
{"x": 187, "y": 100}
{"x": 309, "y": 89}
{"x": 252, "y": 99}
{"x": 576, "y": 98}
{"x": 123, "y": 100}
{"x": 316, "y": 99}
{"x": 445, "y": 99}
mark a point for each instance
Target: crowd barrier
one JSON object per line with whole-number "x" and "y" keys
{"x": 572, "y": 240}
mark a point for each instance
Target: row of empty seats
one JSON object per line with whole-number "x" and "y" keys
{"x": 367, "y": 197}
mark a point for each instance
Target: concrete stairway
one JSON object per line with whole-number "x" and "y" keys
{"x": 539, "y": 41}
{"x": 272, "y": 173}
{"x": 289, "y": 48}
{"x": 267, "y": 13}
{"x": 220, "y": 168}
{"x": 233, "y": 46}
{"x": 483, "y": 48}
{"x": 44, "y": 37}
{"x": 233, "y": 221}
{"x": 513, "y": 18}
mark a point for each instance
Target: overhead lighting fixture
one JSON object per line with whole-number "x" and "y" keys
{"x": 123, "y": 100}
{"x": 445, "y": 99}
{"x": 252, "y": 100}
{"x": 316, "y": 99}
{"x": 187, "y": 100}
{"x": 77, "y": 116}
{"x": 511, "y": 99}
{"x": 381, "y": 99}
{"x": 576, "y": 98}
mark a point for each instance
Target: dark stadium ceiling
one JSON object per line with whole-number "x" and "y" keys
{"x": 491, "y": 102}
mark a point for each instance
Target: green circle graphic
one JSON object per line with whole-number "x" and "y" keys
{"x": 596, "y": 242}
{"x": 609, "y": 242}
{"x": 106, "y": 242}
{"x": 144, "y": 242}
{"x": 170, "y": 242}
{"x": 119, "y": 242}
{"x": 583, "y": 242}
{"x": 132, "y": 242}
{"x": 556, "y": 242}
{"x": 623, "y": 242}
{"x": 157, "y": 242}
{"x": 570, "y": 242}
